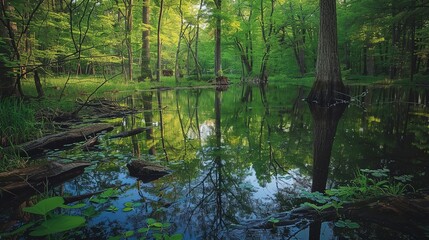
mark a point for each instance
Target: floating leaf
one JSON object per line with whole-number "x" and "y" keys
{"x": 273, "y": 220}
{"x": 112, "y": 209}
{"x": 115, "y": 238}
{"x": 143, "y": 230}
{"x": 127, "y": 209}
{"x": 157, "y": 224}
{"x": 129, "y": 233}
{"x": 89, "y": 212}
{"x": 150, "y": 221}
{"x": 176, "y": 236}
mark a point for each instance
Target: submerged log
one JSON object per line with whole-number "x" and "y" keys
{"x": 147, "y": 171}
{"x": 60, "y": 139}
{"x": 18, "y": 185}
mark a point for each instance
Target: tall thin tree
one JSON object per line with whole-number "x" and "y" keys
{"x": 218, "y": 31}
{"x": 158, "y": 36}
{"x": 145, "y": 57}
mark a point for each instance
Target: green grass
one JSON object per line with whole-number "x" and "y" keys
{"x": 17, "y": 125}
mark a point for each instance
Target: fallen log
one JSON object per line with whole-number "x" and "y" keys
{"x": 18, "y": 185}
{"x": 129, "y": 133}
{"x": 60, "y": 139}
{"x": 146, "y": 171}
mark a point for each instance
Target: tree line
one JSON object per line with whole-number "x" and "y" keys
{"x": 145, "y": 39}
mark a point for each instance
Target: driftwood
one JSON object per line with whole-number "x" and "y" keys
{"x": 60, "y": 139}
{"x": 405, "y": 214}
{"x": 17, "y": 185}
{"x": 129, "y": 133}
{"x": 147, "y": 171}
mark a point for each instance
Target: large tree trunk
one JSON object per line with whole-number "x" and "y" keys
{"x": 328, "y": 87}
{"x": 145, "y": 63}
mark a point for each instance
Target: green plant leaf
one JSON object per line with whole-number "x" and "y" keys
{"x": 166, "y": 225}
{"x": 45, "y": 206}
{"x": 112, "y": 209}
{"x": 176, "y": 236}
{"x": 273, "y": 220}
{"x": 89, "y": 212}
{"x": 17, "y": 231}
{"x": 150, "y": 221}
{"x": 127, "y": 209}
{"x": 129, "y": 234}
{"x": 115, "y": 238}
{"x": 143, "y": 230}
{"x": 57, "y": 224}
{"x": 157, "y": 224}
{"x": 346, "y": 224}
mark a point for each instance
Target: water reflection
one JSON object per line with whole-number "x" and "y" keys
{"x": 246, "y": 153}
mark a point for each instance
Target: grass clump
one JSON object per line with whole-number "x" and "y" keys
{"x": 17, "y": 125}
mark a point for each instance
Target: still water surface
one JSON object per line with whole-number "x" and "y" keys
{"x": 244, "y": 153}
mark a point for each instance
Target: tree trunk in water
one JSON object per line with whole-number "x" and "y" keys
{"x": 145, "y": 59}
{"x": 325, "y": 121}
{"x": 218, "y": 50}
{"x": 328, "y": 87}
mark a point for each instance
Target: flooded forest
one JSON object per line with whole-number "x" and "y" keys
{"x": 210, "y": 119}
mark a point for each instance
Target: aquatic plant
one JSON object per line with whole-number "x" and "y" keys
{"x": 50, "y": 223}
{"x": 367, "y": 184}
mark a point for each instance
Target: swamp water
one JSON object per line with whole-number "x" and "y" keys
{"x": 237, "y": 155}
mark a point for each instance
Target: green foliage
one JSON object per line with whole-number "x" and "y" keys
{"x": 105, "y": 196}
{"x": 346, "y": 224}
{"x": 51, "y": 222}
{"x": 17, "y": 121}
{"x": 366, "y": 184}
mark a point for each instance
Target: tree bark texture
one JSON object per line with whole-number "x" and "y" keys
{"x": 158, "y": 35}
{"x": 145, "y": 63}
{"x": 18, "y": 185}
{"x": 218, "y": 31}
{"x": 59, "y": 139}
{"x": 328, "y": 86}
